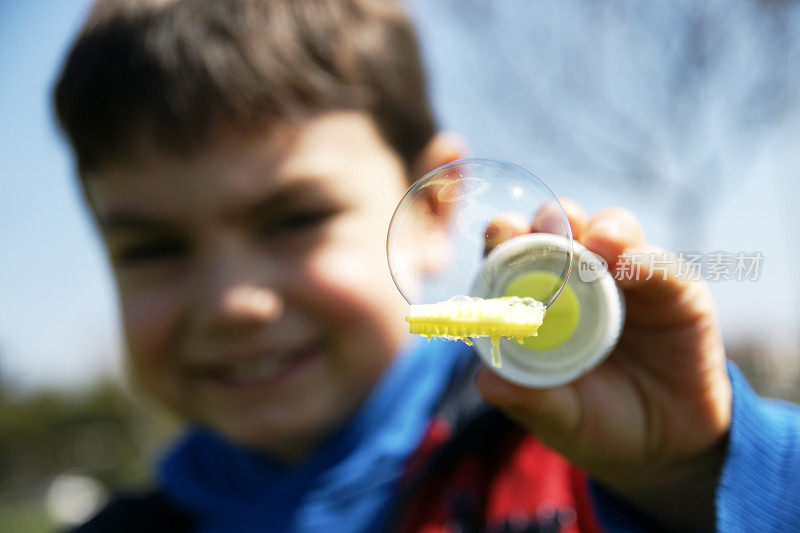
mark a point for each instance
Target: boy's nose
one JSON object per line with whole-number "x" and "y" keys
{"x": 241, "y": 307}
{"x": 236, "y": 291}
{"x": 250, "y": 301}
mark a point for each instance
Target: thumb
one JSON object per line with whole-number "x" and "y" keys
{"x": 553, "y": 414}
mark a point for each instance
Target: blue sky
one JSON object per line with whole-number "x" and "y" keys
{"x": 58, "y": 317}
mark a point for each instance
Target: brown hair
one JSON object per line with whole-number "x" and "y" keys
{"x": 168, "y": 71}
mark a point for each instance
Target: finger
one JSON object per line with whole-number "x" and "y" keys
{"x": 611, "y": 232}
{"x": 647, "y": 275}
{"x": 503, "y": 228}
{"x": 550, "y": 218}
{"x": 648, "y": 272}
{"x": 657, "y": 293}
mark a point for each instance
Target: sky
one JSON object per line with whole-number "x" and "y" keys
{"x": 59, "y": 324}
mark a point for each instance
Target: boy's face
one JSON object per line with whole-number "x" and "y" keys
{"x": 252, "y": 277}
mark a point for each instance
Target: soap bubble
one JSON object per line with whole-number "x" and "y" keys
{"x": 437, "y": 235}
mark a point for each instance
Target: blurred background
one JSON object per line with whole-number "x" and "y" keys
{"x": 686, "y": 113}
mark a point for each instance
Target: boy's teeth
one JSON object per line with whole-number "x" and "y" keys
{"x": 256, "y": 370}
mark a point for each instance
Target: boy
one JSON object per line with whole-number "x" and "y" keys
{"x": 242, "y": 160}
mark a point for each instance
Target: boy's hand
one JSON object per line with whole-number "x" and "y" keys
{"x": 650, "y": 422}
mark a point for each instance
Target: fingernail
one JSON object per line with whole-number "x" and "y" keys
{"x": 502, "y": 229}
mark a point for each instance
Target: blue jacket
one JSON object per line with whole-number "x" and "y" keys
{"x": 476, "y": 471}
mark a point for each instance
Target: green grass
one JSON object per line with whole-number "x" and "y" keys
{"x": 25, "y": 516}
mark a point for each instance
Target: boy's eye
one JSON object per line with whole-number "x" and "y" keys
{"x": 300, "y": 221}
{"x": 150, "y": 252}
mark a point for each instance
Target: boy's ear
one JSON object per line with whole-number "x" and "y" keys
{"x": 442, "y": 149}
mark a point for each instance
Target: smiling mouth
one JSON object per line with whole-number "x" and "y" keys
{"x": 257, "y": 372}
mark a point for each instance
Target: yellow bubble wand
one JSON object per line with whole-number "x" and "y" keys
{"x": 462, "y": 318}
